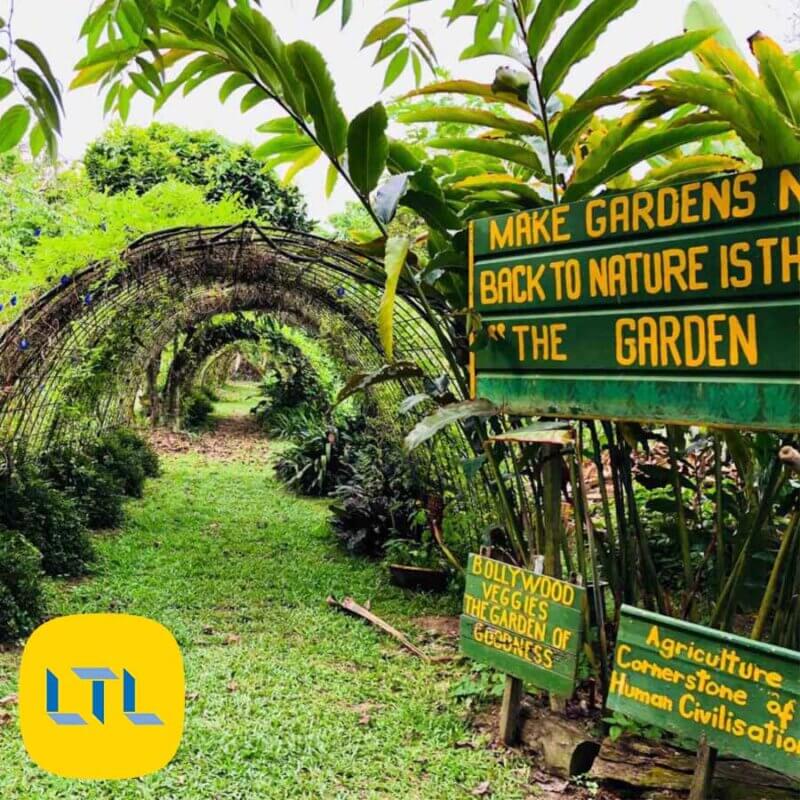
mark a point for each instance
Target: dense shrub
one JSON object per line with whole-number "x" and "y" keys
{"x": 137, "y": 159}
{"x": 197, "y": 408}
{"x": 96, "y": 490}
{"x": 128, "y": 458}
{"x": 314, "y": 464}
{"x": 49, "y": 519}
{"x": 20, "y": 585}
{"x": 379, "y": 500}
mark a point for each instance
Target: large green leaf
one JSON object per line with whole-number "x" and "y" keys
{"x": 506, "y": 151}
{"x": 330, "y": 123}
{"x": 777, "y": 141}
{"x": 580, "y": 40}
{"x": 367, "y": 147}
{"x": 503, "y": 183}
{"x": 689, "y": 167}
{"x": 446, "y": 415}
{"x": 702, "y": 14}
{"x": 627, "y": 73}
{"x": 359, "y": 381}
{"x": 471, "y": 89}
{"x": 644, "y": 148}
{"x": 397, "y": 248}
{"x": 779, "y": 74}
{"x": 543, "y": 23}
{"x": 37, "y": 56}
{"x": 470, "y": 116}
{"x": 13, "y": 125}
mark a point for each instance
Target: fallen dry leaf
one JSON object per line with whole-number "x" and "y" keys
{"x": 9, "y": 699}
{"x": 5, "y": 718}
{"x": 191, "y": 696}
{"x": 483, "y": 789}
{"x": 207, "y": 630}
{"x": 232, "y": 638}
{"x": 233, "y": 686}
{"x": 364, "y": 719}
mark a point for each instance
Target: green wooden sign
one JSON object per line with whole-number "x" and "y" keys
{"x": 743, "y": 695}
{"x": 527, "y": 625}
{"x": 678, "y": 304}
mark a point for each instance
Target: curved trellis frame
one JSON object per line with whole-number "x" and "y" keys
{"x": 72, "y": 363}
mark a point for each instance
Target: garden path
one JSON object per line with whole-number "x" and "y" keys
{"x": 285, "y": 697}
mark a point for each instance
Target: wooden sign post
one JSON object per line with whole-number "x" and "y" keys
{"x": 525, "y": 624}
{"x": 738, "y": 695}
{"x": 678, "y": 304}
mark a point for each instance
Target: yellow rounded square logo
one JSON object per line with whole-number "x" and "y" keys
{"x": 101, "y": 696}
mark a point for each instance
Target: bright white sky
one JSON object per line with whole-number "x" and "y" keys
{"x": 55, "y": 25}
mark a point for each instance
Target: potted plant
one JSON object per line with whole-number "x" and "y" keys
{"x": 416, "y": 564}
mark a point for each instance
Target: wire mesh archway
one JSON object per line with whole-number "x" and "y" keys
{"x": 72, "y": 362}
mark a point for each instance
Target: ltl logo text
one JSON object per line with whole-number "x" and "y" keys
{"x": 101, "y": 696}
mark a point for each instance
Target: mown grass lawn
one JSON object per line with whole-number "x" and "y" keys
{"x": 286, "y": 698}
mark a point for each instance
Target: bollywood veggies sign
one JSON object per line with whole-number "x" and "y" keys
{"x": 527, "y": 625}
{"x": 742, "y": 694}
{"x": 676, "y": 304}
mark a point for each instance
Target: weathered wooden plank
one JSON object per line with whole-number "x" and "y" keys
{"x": 751, "y": 261}
{"x": 773, "y": 404}
{"x": 749, "y": 339}
{"x": 743, "y": 695}
{"x": 524, "y": 667}
{"x": 521, "y": 622}
{"x": 730, "y": 199}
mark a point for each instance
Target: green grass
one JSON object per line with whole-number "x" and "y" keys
{"x": 222, "y": 545}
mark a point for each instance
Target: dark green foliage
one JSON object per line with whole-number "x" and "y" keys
{"x": 21, "y": 602}
{"x": 379, "y": 500}
{"x": 49, "y": 519}
{"x": 96, "y": 490}
{"x": 197, "y": 407}
{"x": 138, "y": 159}
{"x": 314, "y": 465}
{"x": 128, "y": 458}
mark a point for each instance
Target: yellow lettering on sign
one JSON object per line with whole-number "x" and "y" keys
{"x": 500, "y": 239}
{"x": 789, "y": 190}
{"x": 694, "y": 341}
{"x": 745, "y": 197}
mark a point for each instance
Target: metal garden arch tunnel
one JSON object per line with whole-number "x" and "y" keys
{"x": 74, "y": 360}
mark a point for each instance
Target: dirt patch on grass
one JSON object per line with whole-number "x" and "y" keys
{"x": 442, "y": 626}
{"x": 236, "y": 438}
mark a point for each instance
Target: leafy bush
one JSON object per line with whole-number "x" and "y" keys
{"x": 197, "y": 407}
{"x": 20, "y": 585}
{"x": 137, "y": 159}
{"x": 96, "y": 490}
{"x": 378, "y": 501}
{"x": 128, "y": 458}
{"x": 49, "y": 519}
{"x": 313, "y": 465}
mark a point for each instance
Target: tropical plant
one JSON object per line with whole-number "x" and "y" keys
{"x": 50, "y": 520}
{"x": 129, "y": 458}
{"x": 29, "y": 93}
{"x": 21, "y": 601}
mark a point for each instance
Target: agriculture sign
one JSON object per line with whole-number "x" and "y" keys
{"x": 743, "y": 695}
{"x": 526, "y": 625}
{"x": 676, "y": 304}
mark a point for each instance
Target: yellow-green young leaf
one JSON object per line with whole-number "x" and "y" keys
{"x": 500, "y": 182}
{"x": 643, "y": 148}
{"x": 690, "y": 167}
{"x": 580, "y": 40}
{"x": 331, "y": 179}
{"x": 397, "y": 248}
{"x": 396, "y": 67}
{"x": 307, "y": 158}
{"x": 503, "y": 150}
{"x": 627, "y": 73}
{"x": 728, "y": 63}
{"x": 13, "y": 125}
{"x": 780, "y": 75}
{"x": 330, "y": 123}
{"x": 383, "y": 29}
{"x": 367, "y": 148}
{"x": 471, "y": 116}
{"x": 471, "y": 89}
{"x": 777, "y": 141}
